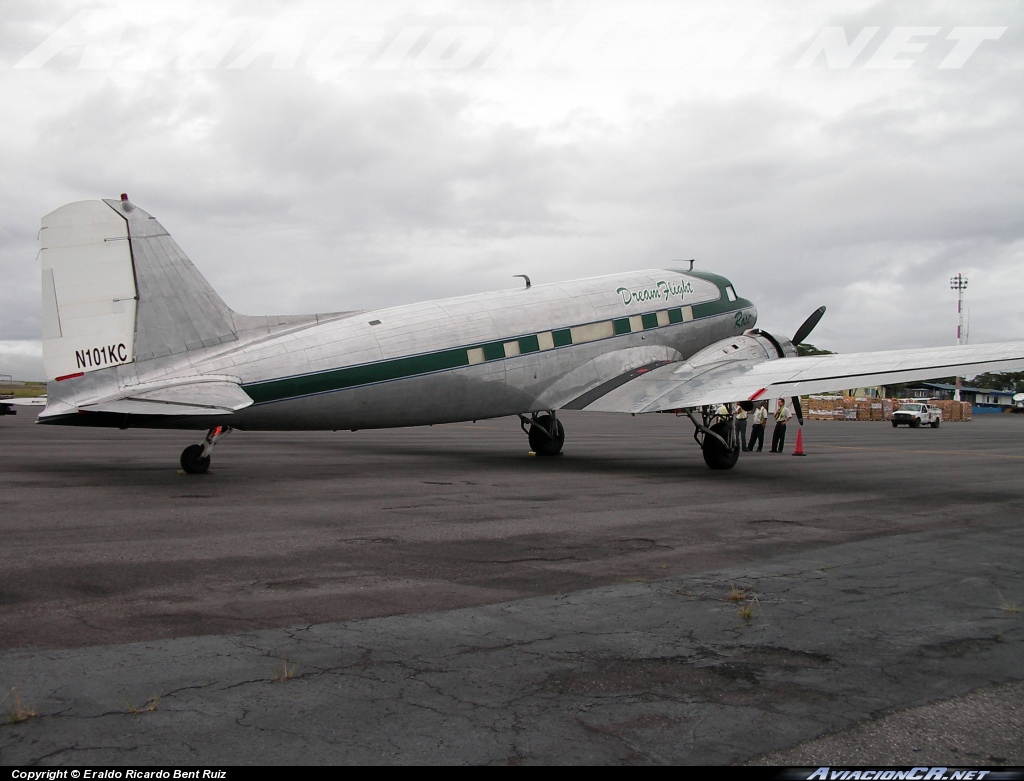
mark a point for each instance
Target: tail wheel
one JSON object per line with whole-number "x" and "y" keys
{"x": 192, "y": 460}
{"x": 717, "y": 455}
{"x": 541, "y": 442}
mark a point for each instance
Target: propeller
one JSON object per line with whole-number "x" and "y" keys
{"x": 802, "y": 333}
{"x": 805, "y": 330}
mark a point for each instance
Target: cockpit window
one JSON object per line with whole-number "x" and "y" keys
{"x": 730, "y": 293}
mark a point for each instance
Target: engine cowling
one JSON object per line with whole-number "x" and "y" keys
{"x": 754, "y": 344}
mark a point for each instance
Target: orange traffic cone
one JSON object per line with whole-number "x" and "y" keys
{"x": 799, "y": 451}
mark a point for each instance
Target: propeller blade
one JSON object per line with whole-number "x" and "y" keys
{"x": 796, "y": 408}
{"x": 804, "y": 331}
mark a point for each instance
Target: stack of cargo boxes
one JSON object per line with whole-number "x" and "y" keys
{"x": 856, "y": 408}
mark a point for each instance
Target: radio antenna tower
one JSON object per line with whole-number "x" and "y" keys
{"x": 959, "y": 284}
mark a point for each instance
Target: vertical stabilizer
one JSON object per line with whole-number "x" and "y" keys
{"x": 178, "y": 311}
{"x": 117, "y": 289}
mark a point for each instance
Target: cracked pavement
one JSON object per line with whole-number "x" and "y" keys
{"x": 862, "y": 605}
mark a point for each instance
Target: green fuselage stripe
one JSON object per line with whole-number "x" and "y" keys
{"x": 456, "y": 357}
{"x": 350, "y": 377}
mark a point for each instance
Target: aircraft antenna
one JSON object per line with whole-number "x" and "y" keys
{"x": 691, "y": 261}
{"x": 528, "y": 283}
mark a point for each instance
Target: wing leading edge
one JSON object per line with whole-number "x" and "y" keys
{"x": 679, "y": 385}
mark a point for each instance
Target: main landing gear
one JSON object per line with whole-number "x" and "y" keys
{"x": 545, "y": 432}
{"x": 719, "y": 441}
{"x": 195, "y": 459}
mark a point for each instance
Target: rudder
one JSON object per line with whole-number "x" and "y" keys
{"x": 89, "y": 296}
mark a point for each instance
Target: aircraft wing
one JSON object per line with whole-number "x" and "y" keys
{"x": 679, "y": 385}
{"x": 192, "y": 396}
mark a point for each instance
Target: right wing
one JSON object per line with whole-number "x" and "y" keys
{"x": 750, "y": 378}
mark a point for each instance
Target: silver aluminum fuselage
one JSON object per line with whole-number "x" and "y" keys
{"x": 467, "y": 358}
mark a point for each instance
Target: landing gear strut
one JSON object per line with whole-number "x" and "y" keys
{"x": 195, "y": 459}
{"x": 719, "y": 442}
{"x": 544, "y": 431}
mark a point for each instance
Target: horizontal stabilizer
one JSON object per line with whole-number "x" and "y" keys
{"x": 28, "y": 401}
{"x": 196, "y": 396}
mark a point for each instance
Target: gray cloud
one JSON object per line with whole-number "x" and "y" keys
{"x": 294, "y": 191}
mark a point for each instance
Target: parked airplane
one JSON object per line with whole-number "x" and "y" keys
{"x": 134, "y": 336}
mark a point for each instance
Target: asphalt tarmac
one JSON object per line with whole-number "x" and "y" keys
{"x": 437, "y": 595}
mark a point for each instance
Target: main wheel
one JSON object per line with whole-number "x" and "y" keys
{"x": 541, "y": 443}
{"x": 717, "y": 455}
{"x": 192, "y": 460}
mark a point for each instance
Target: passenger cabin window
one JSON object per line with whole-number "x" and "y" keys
{"x": 730, "y": 293}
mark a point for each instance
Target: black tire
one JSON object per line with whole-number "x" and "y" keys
{"x": 540, "y": 442}
{"x": 192, "y": 461}
{"x": 915, "y": 423}
{"x": 895, "y": 424}
{"x": 935, "y": 423}
{"x": 717, "y": 455}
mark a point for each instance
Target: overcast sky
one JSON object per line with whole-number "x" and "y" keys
{"x": 327, "y": 156}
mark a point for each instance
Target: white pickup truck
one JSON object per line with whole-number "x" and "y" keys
{"x": 916, "y": 414}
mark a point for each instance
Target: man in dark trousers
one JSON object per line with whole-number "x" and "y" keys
{"x": 757, "y": 429}
{"x": 782, "y": 416}
{"x": 741, "y": 426}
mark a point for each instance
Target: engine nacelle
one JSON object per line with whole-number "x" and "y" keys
{"x": 754, "y": 345}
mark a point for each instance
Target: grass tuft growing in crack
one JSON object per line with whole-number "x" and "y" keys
{"x": 747, "y": 610}
{"x": 284, "y": 671}
{"x": 737, "y": 594}
{"x": 17, "y": 710}
{"x": 149, "y": 707}
{"x": 1009, "y": 608}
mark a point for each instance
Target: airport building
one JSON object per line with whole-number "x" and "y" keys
{"x": 983, "y": 399}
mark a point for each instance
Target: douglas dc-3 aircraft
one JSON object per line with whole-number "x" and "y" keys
{"x": 134, "y": 336}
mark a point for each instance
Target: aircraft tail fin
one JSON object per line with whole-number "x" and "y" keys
{"x": 178, "y": 311}
{"x": 116, "y": 288}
